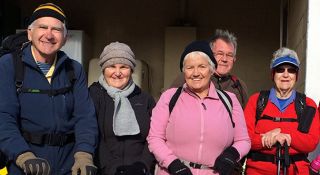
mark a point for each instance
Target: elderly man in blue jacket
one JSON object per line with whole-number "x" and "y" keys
{"x": 47, "y": 119}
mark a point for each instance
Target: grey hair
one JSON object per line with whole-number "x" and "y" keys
{"x": 194, "y": 53}
{"x": 282, "y": 52}
{"x": 65, "y": 31}
{"x": 226, "y": 36}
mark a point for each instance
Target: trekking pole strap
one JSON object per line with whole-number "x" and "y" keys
{"x": 286, "y": 155}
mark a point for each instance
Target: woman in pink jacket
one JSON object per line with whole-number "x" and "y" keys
{"x": 198, "y": 136}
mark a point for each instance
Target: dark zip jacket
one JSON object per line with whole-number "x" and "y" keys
{"x": 232, "y": 84}
{"x": 114, "y": 151}
{"x": 72, "y": 112}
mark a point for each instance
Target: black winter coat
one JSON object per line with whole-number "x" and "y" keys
{"x": 114, "y": 151}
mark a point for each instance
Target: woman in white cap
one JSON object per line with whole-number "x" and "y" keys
{"x": 281, "y": 122}
{"x": 123, "y": 112}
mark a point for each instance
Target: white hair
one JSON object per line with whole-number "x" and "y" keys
{"x": 203, "y": 55}
{"x": 282, "y": 52}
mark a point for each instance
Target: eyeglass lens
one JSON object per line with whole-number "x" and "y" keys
{"x": 222, "y": 54}
{"x": 289, "y": 70}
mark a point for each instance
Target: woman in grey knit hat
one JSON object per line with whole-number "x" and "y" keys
{"x": 123, "y": 112}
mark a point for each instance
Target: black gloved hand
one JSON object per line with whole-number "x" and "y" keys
{"x": 176, "y": 167}
{"x": 137, "y": 168}
{"x": 33, "y": 165}
{"x": 121, "y": 170}
{"x": 226, "y": 162}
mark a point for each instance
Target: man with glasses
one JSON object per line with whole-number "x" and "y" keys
{"x": 47, "y": 119}
{"x": 224, "y": 47}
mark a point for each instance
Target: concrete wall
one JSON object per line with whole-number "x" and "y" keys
{"x": 297, "y": 33}
{"x": 297, "y": 40}
{"x": 141, "y": 24}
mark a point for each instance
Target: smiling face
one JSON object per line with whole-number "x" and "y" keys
{"x": 224, "y": 55}
{"x": 285, "y": 77}
{"x": 197, "y": 73}
{"x": 117, "y": 75}
{"x": 47, "y": 35}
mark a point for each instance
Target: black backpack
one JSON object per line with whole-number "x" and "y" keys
{"x": 304, "y": 112}
{"x": 224, "y": 97}
{"x": 14, "y": 44}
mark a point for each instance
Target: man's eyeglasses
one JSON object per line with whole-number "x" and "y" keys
{"x": 289, "y": 70}
{"x": 220, "y": 55}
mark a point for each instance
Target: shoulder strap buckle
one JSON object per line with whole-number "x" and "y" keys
{"x": 276, "y": 119}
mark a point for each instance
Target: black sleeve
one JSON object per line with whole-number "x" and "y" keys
{"x": 147, "y": 157}
{"x": 94, "y": 94}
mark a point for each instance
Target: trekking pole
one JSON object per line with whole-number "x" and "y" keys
{"x": 278, "y": 157}
{"x": 286, "y": 162}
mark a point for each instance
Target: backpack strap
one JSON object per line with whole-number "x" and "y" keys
{"x": 174, "y": 99}
{"x": 305, "y": 113}
{"x": 300, "y": 104}
{"x": 237, "y": 85}
{"x": 227, "y": 102}
{"x": 70, "y": 72}
{"x": 19, "y": 69}
{"x": 50, "y": 92}
{"x": 261, "y": 103}
{"x": 278, "y": 119}
{"x": 19, "y": 75}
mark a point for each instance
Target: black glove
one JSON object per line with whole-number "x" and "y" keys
{"x": 121, "y": 170}
{"x": 33, "y": 165}
{"x": 178, "y": 168}
{"x": 226, "y": 162}
{"x": 137, "y": 168}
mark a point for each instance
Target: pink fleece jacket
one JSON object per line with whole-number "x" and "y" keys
{"x": 197, "y": 130}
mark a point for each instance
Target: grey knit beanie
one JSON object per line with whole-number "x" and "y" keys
{"x": 117, "y": 53}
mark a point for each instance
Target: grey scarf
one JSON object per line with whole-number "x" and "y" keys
{"x": 124, "y": 119}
